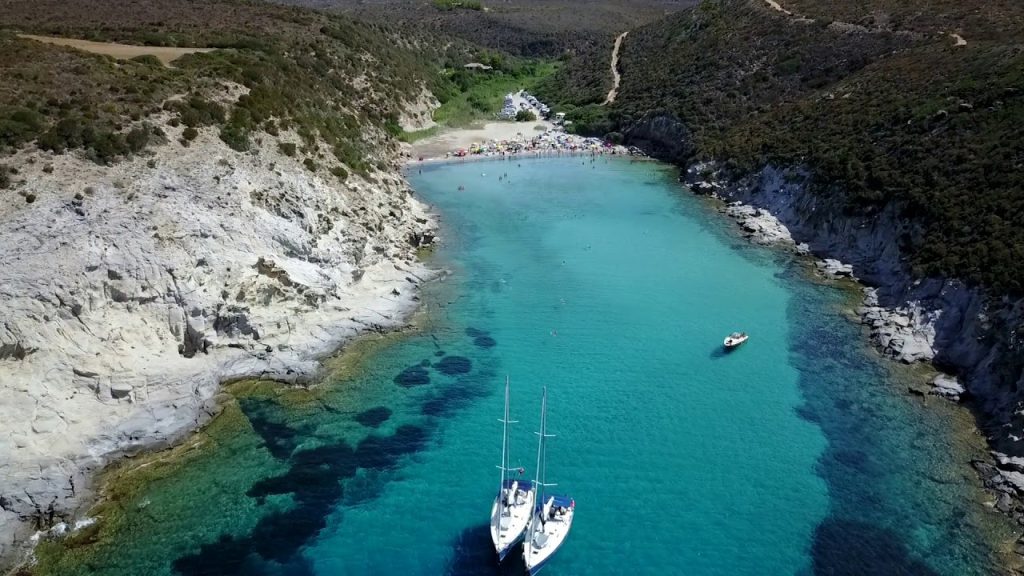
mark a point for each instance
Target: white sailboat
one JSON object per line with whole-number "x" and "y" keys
{"x": 553, "y": 515}
{"x": 513, "y": 505}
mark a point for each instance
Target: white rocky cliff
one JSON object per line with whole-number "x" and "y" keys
{"x": 128, "y": 293}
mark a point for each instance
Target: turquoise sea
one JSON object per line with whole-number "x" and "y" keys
{"x": 604, "y": 280}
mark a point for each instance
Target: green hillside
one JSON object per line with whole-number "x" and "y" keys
{"x": 333, "y": 81}
{"x": 877, "y": 100}
{"x": 534, "y": 28}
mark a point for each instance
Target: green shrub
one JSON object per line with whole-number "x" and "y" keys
{"x": 235, "y": 136}
{"x": 64, "y": 135}
{"x": 5, "y": 177}
{"x": 525, "y": 116}
{"x": 392, "y": 127}
{"x": 309, "y": 164}
{"x": 454, "y": 4}
{"x": 148, "y": 60}
{"x": 105, "y": 146}
{"x": 197, "y": 111}
{"x": 340, "y": 172}
{"x": 19, "y": 125}
{"x": 286, "y": 148}
{"x": 189, "y": 133}
{"x": 137, "y": 139}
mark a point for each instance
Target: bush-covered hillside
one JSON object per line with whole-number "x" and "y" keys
{"x": 535, "y": 28}
{"x": 325, "y": 76}
{"x": 878, "y": 101}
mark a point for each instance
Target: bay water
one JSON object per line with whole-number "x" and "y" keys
{"x": 605, "y": 281}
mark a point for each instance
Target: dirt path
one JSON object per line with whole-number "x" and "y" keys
{"x": 775, "y": 5}
{"x": 616, "y": 78}
{"x": 958, "y": 40}
{"x": 122, "y": 51}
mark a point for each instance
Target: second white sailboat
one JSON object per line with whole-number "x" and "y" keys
{"x": 553, "y": 516}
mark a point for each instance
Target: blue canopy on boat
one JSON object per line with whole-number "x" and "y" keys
{"x": 566, "y": 501}
{"x": 523, "y": 484}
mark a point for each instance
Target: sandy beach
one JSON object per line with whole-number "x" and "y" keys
{"x": 453, "y": 139}
{"x": 539, "y": 139}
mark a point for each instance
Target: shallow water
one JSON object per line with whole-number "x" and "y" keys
{"x": 799, "y": 453}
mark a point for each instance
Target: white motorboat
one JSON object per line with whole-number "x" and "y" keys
{"x": 735, "y": 339}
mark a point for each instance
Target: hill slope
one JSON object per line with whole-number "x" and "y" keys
{"x": 536, "y": 28}
{"x": 879, "y": 113}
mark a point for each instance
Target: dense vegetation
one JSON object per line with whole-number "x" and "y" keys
{"x": 330, "y": 80}
{"x": 456, "y": 4}
{"x": 478, "y": 95}
{"x": 535, "y": 28}
{"x": 882, "y": 106}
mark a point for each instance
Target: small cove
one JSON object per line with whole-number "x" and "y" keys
{"x": 797, "y": 454}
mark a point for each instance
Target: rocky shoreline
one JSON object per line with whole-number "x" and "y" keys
{"x": 906, "y": 334}
{"x": 912, "y": 325}
{"x": 132, "y": 291}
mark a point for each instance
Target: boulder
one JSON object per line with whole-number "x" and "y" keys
{"x": 835, "y": 268}
{"x": 947, "y": 386}
{"x": 912, "y": 349}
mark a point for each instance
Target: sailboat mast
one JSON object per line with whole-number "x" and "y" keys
{"x": 539, "y": 482}
{"x": 504, "y": 440}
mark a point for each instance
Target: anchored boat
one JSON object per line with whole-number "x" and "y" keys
{"x": 735, "y": 339}
{"x": 513, "y": 505}
{"x": 553, "y": 516}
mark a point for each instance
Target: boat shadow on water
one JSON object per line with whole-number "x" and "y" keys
{"x": 720, "y": 352}
{"x": 474, "y": 555}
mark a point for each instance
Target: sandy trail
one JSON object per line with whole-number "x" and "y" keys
{"x": 165, "y": 54}
{"x": 452, "y": 140}
{"x": 616, "y": 77}
{"x": 775, "y": 5}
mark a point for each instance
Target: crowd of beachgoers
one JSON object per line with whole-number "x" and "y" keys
{"x": 550, "y": 142}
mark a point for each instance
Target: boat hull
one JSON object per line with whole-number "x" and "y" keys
{"x": 519, "y": 515}
{"x": 503, "y": 552}
{"x": 731, "y": 344}
{"x": 555, "y": 533}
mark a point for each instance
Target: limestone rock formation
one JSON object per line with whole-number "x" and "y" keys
{"x": 129, "y": 292}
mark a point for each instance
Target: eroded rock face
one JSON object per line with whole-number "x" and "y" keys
{"x": 941, "y": 320}
{"x": 661, "y": 136}
{"x": 121, "y": 310}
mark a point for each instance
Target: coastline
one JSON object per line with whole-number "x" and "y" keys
{"x": 441, "y": 148}
{"x": 524, "y": 155}
{"x": 904, "y": 335}
{"x": 354, "y": 342}
{"x": 138, "y": 334}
